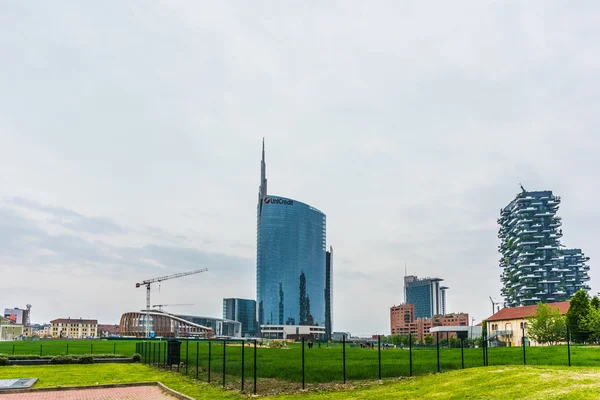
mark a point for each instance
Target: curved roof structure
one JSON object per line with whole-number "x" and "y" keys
{"x": 162, "y": 324}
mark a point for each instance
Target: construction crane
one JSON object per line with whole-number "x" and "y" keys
{"x": 148, "y": 282}
{"x": 160, "y": 306}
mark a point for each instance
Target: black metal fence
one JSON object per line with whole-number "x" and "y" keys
{"x": 225, "y": 361}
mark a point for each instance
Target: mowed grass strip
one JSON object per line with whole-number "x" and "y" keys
{"x": 499, "y": 383}
{"x": 91, "y": 374}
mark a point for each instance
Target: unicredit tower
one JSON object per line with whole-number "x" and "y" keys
{"x": 293, "y": 267}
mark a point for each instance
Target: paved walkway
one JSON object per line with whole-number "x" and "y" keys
{"x": 125, "y": 393}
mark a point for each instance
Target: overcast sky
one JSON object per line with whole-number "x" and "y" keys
{"x": 130, "y": 137}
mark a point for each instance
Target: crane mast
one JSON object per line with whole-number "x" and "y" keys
{"x": 148, "y": 282}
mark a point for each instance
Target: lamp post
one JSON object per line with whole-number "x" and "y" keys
{"x": 472, "y": 324}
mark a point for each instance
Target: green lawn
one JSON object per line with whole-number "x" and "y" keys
{"x": 498, "y": 383}
{"x": 322, "y": 365}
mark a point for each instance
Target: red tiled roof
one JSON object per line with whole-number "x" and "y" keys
{"x": 108, "y": 328}
{"x": 526, "y": 311}
{"x": 74, "y": 321}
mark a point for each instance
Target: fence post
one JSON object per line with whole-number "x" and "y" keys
{"x": 243, "y": 363}
{"x": 154, "y": 354}
{"x": 115, "y": 348}
{"x": 523, "y": 340}
{"x": 67, "y": 348}
{"x": 40, "y": 350}
{"x": 254, "y": 366}
{"x": 437, "y": 345}
{"x": 158, "y": 355}
{"x": 224, "y": 359}
{"x": 344, "y": 355}
{"x": 410, "y": 353}
{"x": 487, "y": 353}
{"x": 197, "y": 355}
{"x": 187, "y": 353}
{"x": 379, "y": 355}
{"x": 303, "y": 362}
{"x": 462, "y": 352}
{"x": 569, "y": 344}
{"x": 209, "y": 350}
{"x": 14, "y": 349}
{"x": 92, "y": 348}
{"x": 165, "y": 355}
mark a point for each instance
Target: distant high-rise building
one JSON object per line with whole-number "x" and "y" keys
{"x": 244, "y": 311}
{"x": 291, "y": 261}
{"x": 428, "y": 297}
{"x": 329, "y": 293}
{"x": 535, "y": 267}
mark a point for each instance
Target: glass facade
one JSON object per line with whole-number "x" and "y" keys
{"x": 221, "y": 327}
{"x": 291, "y": 265}
{"x": 427, "y": 296}
{"x": 243, "y": 311}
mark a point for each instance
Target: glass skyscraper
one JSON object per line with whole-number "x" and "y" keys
{"x": 428, "y": 297}
{"x": 244, "y": 311}
{"x": 290, "y": 261}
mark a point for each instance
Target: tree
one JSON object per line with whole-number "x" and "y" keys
{"x": 547, "y": 326}
{"x": 428, "y": 340}
{"x": 591, "y": 322}
{"x": 579, "y": 307}
{"x": 595, "y": 302}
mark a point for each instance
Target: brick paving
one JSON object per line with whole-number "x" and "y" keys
{"x": 124, "y": 393}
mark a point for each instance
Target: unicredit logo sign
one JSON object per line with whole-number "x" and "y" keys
{"x": 276, "y": 200}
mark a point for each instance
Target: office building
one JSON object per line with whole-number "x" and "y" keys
{"x": 291, "y": 260}
{"x": 243, "y": 311}
{"x": 329, "y": 293}
{"x": 427, "y": 295}
{"x": 535, "y": 266}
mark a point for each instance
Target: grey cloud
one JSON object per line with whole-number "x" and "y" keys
{"x": 71, "y": 219}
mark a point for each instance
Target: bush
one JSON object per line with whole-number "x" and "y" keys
{"x": 3, "y": 360}
{"x": 28, "y": 357}
{"x": 137, "y": 357}
{"x": 64, "y": 360}
{"x": 109, "y": 355}
{"x": 87, "y": 359}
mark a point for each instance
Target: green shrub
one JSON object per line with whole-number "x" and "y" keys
{"x": 28, "y": 357}
{"x": 64, "y": 360}
{"x": 137, "y": 357}
{"x": 109, "y": 355}
{"x": 3, "y": 360}
{"x": 87, "y": 359}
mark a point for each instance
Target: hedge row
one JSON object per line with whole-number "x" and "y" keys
{"x": 70, "y": 359}
{"x": 37, "y": 357}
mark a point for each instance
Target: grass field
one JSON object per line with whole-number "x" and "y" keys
{"x": 326, "y": 364}
{"x": 322, "y": 365}
{"x": 499, "y": 383}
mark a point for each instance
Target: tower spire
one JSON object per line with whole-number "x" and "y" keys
{"x": 262, "y": 191}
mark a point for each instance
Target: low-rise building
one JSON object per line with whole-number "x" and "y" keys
{"x": 108, "y": 330}
{"x": 10, "y": 330}
{"x": 403, "y": 322}
{"x": 74, "y": 328}
{"x": 293, "y": 332}
{"x": 506, "y": 327}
